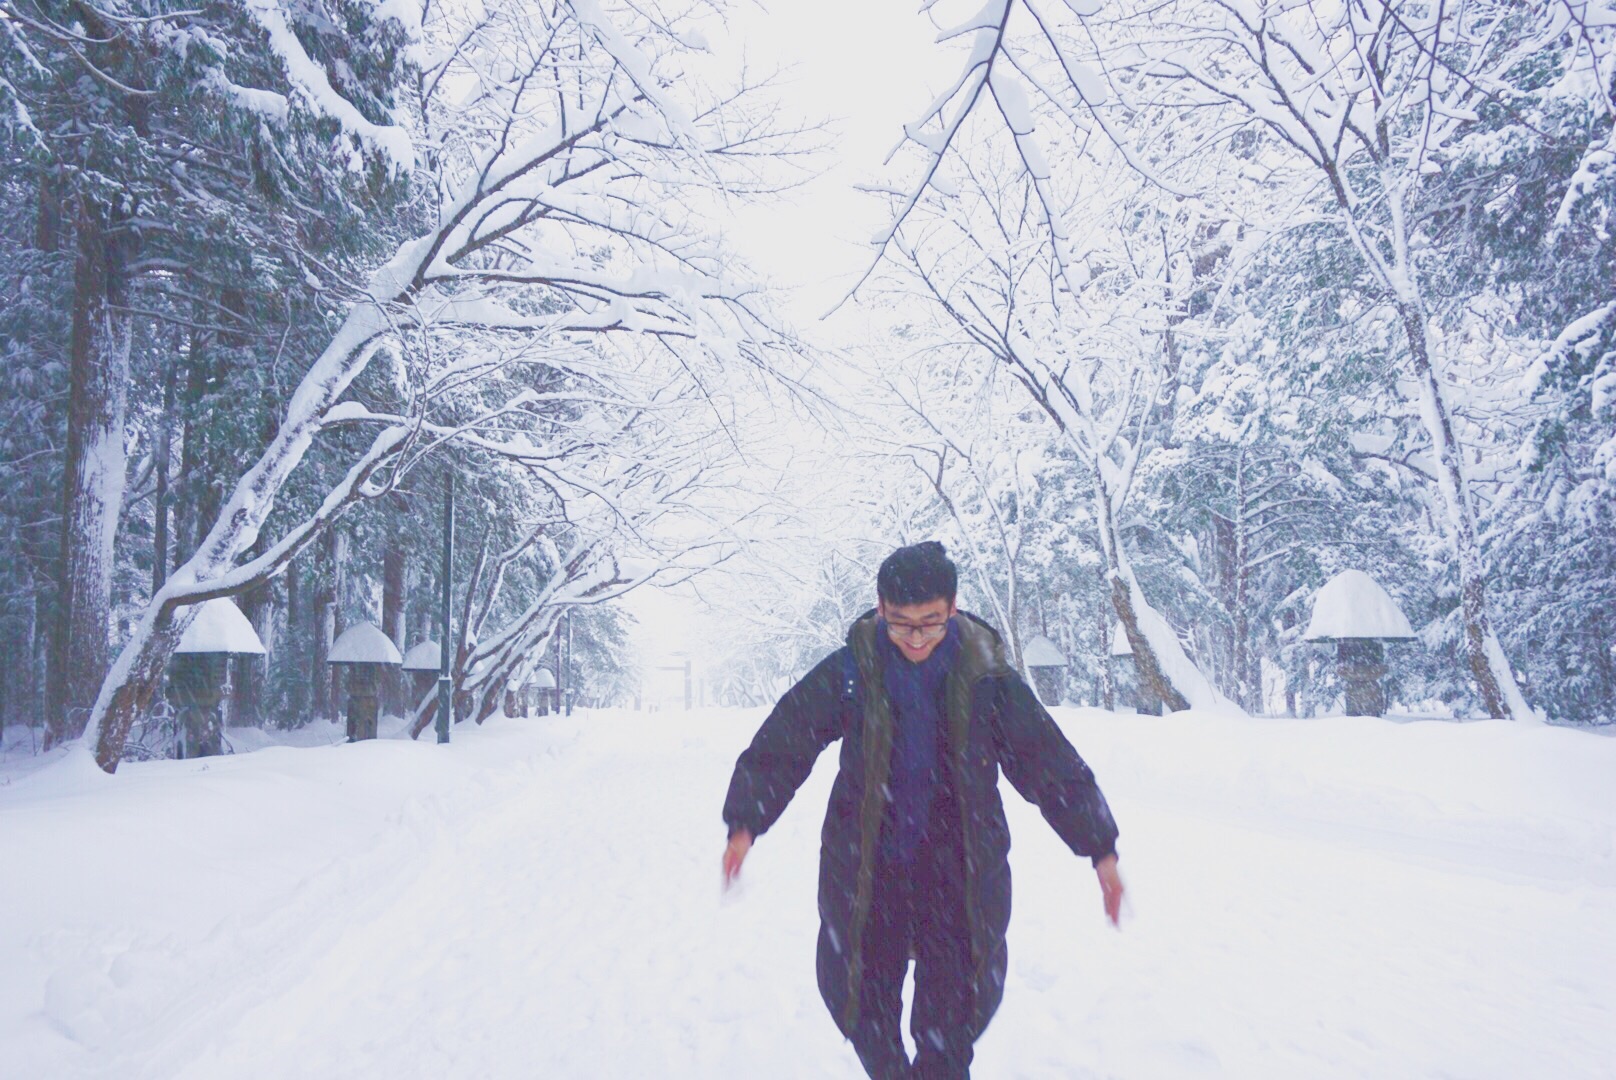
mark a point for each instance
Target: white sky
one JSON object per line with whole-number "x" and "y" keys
{"x": 865, "y": 68}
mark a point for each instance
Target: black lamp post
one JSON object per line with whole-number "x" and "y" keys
{"x": 445, "y": 691}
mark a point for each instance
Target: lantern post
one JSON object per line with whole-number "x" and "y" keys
{"x": 1047, "y": 666}
{"x": 364, "y": 650}
{"x": 196, "y": 674}
{"x": 1354, "y": 612}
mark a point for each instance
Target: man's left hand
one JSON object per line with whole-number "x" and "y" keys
{"x": 1111, "y": 888}
{"x": 735, "y": 854}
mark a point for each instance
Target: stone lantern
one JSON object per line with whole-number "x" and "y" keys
{"x": 364, "y": 650}
{"x": 1125, "y": 674}
{"x": 1353, "y": 611}
{"x": 196, "y": 674}
{"x": 421, "y": 666}
{"x": 1046, "y": 664}
{"x": 543, "y": 685}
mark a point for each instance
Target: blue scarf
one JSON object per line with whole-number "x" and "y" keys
{"x": 915, "y": 692}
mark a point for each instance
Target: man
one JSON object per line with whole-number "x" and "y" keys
{"x": 913, "y": 858}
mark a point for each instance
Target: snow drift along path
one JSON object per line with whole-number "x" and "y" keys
{"x": 1328, "y": 898}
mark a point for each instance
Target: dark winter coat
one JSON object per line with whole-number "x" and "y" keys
{"x": 994, "y": 721}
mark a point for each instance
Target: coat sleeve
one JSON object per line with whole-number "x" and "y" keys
{"x": 805, "y": 721}
{"x": 1044, "y": 767}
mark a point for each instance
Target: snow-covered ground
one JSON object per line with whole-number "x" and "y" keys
{"x": 1321, "y": 898}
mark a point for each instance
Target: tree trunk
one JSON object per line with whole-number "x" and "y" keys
{"x": 292, "y": 652}
{"x": 1152, "y": 679}
{"x": 1105, "y": 685}
{"x": 48, "y": 221}
{"x": 1164, "y": 411}
{"x": 1248, "y": 679}
{"x": 1130, "y": 604}
{"x": 246, "y": 705}
{"x": 1495, "y": 683}
{"x": 392, "y": 682}
{"x": 203, "y": 493}
{"x": 1221, "y": 551}
{"x": 251, "y": 673}
{"x": 335, "y": 620}
{"x": 162, "y": 452}
{"x": 39, "y": 660}
{"x": 1287, "y": 622}
{"x": 93, "y": 473}
{"x": 11, "y": 688}
{"x": 323, "y": 613}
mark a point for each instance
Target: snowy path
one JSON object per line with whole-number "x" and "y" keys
{"x": 1335, "y": 899}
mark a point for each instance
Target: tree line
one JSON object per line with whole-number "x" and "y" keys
{"x": 273, "y": 271}
{"x": 1200, "y": 303}
{"x": 1192, "y": 305}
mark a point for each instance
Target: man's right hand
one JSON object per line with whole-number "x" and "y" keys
{"x": 1111, "y": 889}
{"x": 740, "y": 842}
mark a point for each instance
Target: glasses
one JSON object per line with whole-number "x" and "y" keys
{"x": 917, "y": 632}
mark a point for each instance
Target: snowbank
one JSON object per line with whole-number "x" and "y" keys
{"x": 137, "y": 905}
{"x": 1322, "y": 898}
{"x": 1489, "y": 793}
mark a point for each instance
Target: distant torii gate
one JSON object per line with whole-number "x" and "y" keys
{"x": 685, "y": 667}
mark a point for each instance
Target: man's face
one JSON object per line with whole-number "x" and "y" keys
{"x": 917, "y": 629}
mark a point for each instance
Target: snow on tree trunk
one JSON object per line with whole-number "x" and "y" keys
{"x": 1164, "y": 668}
{"x": 548, "y": 236}
{"x": 1495, "y": 682}
{"x": 162, "y": 497}
{"x": 423, "y": 712}
{"x": 248, "y": 672}
{"x": 130, "y": 685}
{"x": 324, "y": 625}
{"x": 93, "y": 476}
{"x": 1104, "y": 608}
{"x": 297, "y": 638}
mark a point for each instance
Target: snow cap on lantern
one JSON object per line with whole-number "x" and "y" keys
{"x": 543, "y": 680}
{"x": 1043, "y": 653}
{"x": 1353, "y": 605}
{"x": 427, "y": 656}
{"x": 220, "y": 627}
{"x": 1045, "y": 663}
{"x": 364, "y": 643}
{"x": 423, "y": 662}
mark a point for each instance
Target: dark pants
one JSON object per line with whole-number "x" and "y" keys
{"x": 918, "y": 912}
